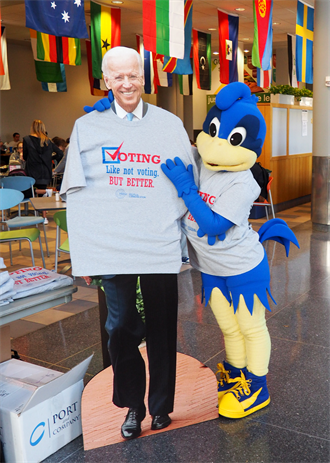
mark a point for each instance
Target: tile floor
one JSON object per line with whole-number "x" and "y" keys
{"x": 294, "y": 428}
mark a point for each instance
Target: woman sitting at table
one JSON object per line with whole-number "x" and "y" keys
{"x": 16, "y": 158}
{"x": 38, "y": 152}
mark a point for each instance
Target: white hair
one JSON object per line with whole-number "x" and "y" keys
{"x": 120, "y": 52}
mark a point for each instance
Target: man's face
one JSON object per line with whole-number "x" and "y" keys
{"x": 16, "y": 138}
{"x": 125, "y": 80}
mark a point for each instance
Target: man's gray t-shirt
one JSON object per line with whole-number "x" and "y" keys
{"x": 123, "y": 213}
{"x": 229, "y": 194}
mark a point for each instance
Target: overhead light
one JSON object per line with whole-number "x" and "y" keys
{"x": 246, "y": 51}
{"x": 211, "y": 29}
{"x": 117, "y": 2}
{"x": 239, "y": 9}
{"x": 215, "y": 53}
{"x": 246, "y": 38}
{"x": 276, "y": 24}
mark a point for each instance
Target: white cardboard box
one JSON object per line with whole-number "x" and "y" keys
{"x": 40, "y": 409}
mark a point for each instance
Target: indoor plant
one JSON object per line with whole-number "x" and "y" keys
{"x": 282, "y": 94}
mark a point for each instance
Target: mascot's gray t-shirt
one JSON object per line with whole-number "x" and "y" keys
{"x": 123, "y": 213}
{"x": 229, "y": 194}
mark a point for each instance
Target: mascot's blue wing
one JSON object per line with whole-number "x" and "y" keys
{"x": 278, "y": 230}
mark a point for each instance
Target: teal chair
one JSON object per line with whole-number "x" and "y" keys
{"x": 60, "y": 220}
{"x": 23, "y": 183}
{"x": 8, "y": 199}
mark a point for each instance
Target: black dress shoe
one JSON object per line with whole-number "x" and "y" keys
{"x": 160, "y": 422}
{"x": 131, "y": 428}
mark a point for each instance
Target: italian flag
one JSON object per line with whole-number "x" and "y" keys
{"x": 163, "y": 27}
{"x": 105, "y": 34}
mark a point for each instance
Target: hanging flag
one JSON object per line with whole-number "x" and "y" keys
{"x": 33, "y": 35}
{"x": 59, "y": 87}
{"x": 63, "y": 18}
{"x": 48, "y": 72}
{"x": 182, "y": 66}
{"x": 262, "y": 48}
{"x": 64, "y": 50}
{"x": 163, "y": 79}
{"x": 105, "y": 33}
{"x": 228, "y": 46}
{"x": 97, "y": 86}
{"x": 264, "y": 78}
{"x": 4, "y": 79}
{"x": 292, "y": 60}
{"x": 163, "y": 27}
{"x": 2, "y": 70}
{"x": 202, "y": 59}
{"x": 149, "y": 65}
{"x": 185, "y": 84}
{"x": 304, "y": 42}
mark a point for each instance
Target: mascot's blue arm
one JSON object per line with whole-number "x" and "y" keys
{"x": 210, "y": 223}
{"x": 101, "y": 105}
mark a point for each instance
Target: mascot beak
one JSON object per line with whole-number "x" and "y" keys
{"x": 219, "y": 155}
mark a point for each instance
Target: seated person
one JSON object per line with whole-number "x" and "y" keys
{"x": 16, "y": 160}
{"x": 13, "y": 144}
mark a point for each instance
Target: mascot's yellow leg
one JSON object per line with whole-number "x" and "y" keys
{"x": 227, "y": 320}
{"x": 248, "y": 343}
{"x": 256, "y": 336}
{"x": 230, "y": 370}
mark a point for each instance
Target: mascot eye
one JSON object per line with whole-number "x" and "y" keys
{"x": 237, "y": 136}
{"x": 214, "y": 127}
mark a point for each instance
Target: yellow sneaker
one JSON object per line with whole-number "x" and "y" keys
{"x": 228, "y": 377}
{"x": 249, "y": 395}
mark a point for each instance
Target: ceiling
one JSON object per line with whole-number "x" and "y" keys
{"x": 204, "y": 17}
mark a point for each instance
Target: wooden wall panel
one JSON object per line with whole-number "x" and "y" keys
{"x": 292, "y": 174}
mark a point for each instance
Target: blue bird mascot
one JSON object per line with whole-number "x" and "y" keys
{"x": 224, "y": 247}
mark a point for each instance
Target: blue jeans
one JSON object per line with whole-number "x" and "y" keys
{"x": 126, "y": 331}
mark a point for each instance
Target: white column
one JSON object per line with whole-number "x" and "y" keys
{"x": 321, "y": 118}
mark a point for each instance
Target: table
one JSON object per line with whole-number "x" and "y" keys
{"x": 27, "y": 306}
{"x": 47, "y": 204}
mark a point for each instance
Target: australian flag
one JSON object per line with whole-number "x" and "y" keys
{"x": 63, "y": 18}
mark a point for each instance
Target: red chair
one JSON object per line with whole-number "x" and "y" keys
{"x": 266, "y": 203}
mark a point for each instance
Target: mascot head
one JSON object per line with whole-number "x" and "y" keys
{"x": 233, "y": 132}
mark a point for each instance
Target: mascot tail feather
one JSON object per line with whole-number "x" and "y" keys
{"x": 278, "y": 230}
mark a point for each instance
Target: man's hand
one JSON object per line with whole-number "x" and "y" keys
{"x": 182, "y": 178}
{"x": 101, "y": 105}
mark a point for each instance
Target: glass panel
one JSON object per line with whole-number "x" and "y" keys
{"x": 300, "y": 131}
{"x": 279, "y": 132}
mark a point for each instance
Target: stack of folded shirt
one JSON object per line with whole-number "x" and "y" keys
{"x": 6, "y": 286}
{"x": 33, "y": 280}
{"x": 7, "y": 291}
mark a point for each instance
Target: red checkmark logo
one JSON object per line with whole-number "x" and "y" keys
{"x": 114, "y": 155}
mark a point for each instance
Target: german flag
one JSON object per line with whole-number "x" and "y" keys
{"x": 54, "y": 49}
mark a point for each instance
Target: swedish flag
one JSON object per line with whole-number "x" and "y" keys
{"x": 304, "y": 42}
